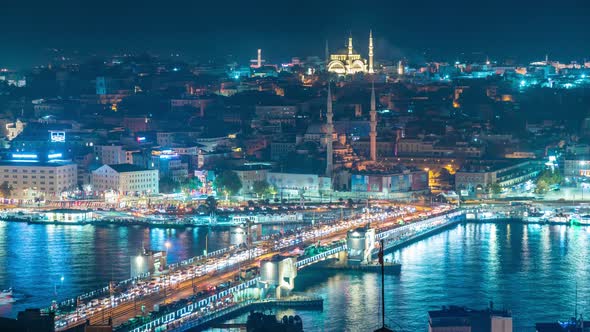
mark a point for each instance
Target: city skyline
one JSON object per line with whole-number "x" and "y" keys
{"x": 527, "y": 30}
{"x": 377, "y": 166}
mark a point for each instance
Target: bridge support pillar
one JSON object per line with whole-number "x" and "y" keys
{"x": 360, "y": 243}
{"x": 278, "y": 274}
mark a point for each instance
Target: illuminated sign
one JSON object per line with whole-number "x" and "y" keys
{"x": 141, "y": 139}
{"x": 24, "y": 156}
{"x": 57, "y": 136}
{"x": 54, "y": 155}
{"x": 168, "y": 156}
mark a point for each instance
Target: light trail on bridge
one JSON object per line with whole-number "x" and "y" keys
{"x": 182, "y": 282}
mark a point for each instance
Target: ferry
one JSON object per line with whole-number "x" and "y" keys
{"x": 270, "y": 218}
{"x": 6, "y": 296}
{"x": 583, "y": 220}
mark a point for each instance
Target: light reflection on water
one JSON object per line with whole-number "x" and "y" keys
{"x": 33, "y": 258}
{"x": 529, "y": 269}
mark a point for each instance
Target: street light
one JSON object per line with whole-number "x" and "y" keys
{"x": 167, "y": 245}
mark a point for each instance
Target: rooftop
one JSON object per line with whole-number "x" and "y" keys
{"x": 124, "y": 168}
{"x": 34, "y": 163}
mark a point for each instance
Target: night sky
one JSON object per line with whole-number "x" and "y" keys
{"x": 203, "y": 29}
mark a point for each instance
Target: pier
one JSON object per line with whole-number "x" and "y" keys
{"x": 213, "y": 319}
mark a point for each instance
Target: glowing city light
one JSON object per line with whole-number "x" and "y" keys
{"x": 24, "y": 156}
{"x": 54, "y": 155}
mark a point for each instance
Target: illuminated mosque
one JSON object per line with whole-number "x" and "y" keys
{"x": 348, "y": 62}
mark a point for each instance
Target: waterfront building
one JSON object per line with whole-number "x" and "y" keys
{"x": 251, "y": 173}
{"x": 477, "y": 177}
{"x": 126, "y": 180}
{"x": 296, "y": 184}
{"x": 576, "y": 168}
{"x": 34, "y": 178}
{"x": 389, "y": 182}
{"x": 461, "y": 319}
{"x": 68, "y": 215}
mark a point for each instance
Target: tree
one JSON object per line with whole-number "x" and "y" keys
{"x": 228, "y": 183}
{"x": 5, "y": 189}
{"x": 546, "y": 180}
{"x": 349, "y": 203}
{"x": 495, "y": 188}
{"x": 211, "y": 203}
{"x": 542, "y": 187}
{"x": 272, "y": 190}
{"x": 261, "y": 188}
{"x": 192, "y": 184}
{"x": 168, "y": 186}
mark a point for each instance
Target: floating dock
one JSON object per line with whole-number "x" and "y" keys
{"x": 205, "y": 322}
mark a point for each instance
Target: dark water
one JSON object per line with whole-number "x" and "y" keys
{"x": 530, "y": 269}
{"x": 33, "y": 258}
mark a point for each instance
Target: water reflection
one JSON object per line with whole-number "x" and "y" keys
{"x": 34, "y": 258}
{"x": 531, "y": 270}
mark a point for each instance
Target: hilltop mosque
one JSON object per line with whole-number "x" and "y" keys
{"x": 348, "y": 62}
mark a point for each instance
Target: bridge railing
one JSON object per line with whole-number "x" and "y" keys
{"x": 407, "y": 227}
{"x": 105, "y": 290}
{"x": 315, "y": 258}
{"x": 168, "y": 317}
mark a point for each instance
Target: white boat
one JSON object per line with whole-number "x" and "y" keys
{"x": 6, "y": 296}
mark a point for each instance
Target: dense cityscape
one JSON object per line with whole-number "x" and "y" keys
{"x": 343, "y": 187}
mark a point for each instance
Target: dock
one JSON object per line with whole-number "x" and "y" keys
{"x": 215, "y": 318}
{"x": 389, "y": 268}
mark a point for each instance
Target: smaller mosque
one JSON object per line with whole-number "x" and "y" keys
{"x": 349, "y": 62}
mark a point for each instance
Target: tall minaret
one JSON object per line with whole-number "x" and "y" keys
{"x": 259, "y": 59}
{"x": 371, "y": 71}
{"x": 329, "y": 134}
{"x": 327, "y": 55}
{"x": 373, "y": 132}
{"x": 350, "y": 44}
